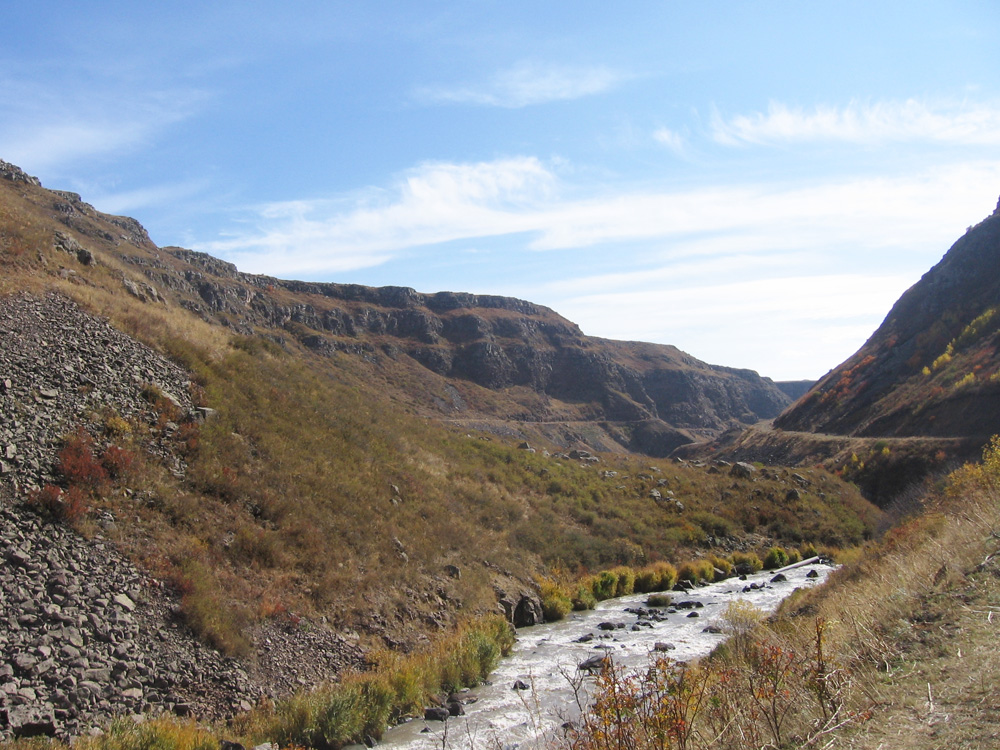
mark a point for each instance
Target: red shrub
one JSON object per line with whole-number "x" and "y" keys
{"x": 78, "y": 465}
{"x": 117, "y": 462}
{"x": 67, "y": 506}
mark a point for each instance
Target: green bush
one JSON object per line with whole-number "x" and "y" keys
{"x": 604, "y": 586}
{"x": 658, "y": 600}
{"x": 776, "y": 557}
{"x": 721, "y": 564}
{"x": 746, "y": 562}
{"x": 695, "y": 571}
{"x": 584, "y": 597}
{"x": 626, "y": 580}
{"x": 556, "y": 603}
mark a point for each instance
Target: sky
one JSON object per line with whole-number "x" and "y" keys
{"x": 753, "y": 182}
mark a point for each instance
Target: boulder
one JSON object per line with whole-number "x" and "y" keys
{"x": 742, "y": 470}
{"x": 31, "y": 721}
{"x": 594, "y": 663}
{"x": 436, "y": 713}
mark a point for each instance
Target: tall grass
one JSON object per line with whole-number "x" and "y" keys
{"x": 361, "y": 707}
{"x": 817, "y": 669}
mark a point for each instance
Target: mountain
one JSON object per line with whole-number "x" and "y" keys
{"x": 218, "y": 488}
{"x": 498, "y": 363}
{"x": 932, "y": 368}
{"x": 922, "y": 393}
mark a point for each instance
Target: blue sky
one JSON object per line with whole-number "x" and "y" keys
{"x": 754, "y": 182}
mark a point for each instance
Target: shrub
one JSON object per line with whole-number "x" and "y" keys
{"x": 712, "y": 524}
{"x": 584, "y": 597}
{"x": 808, "y": 550}
{"x": 604, "y": 585}
{"x": 794, "y": 556}
{"x": 660, "y": 576}
{"x": 722, "y": 565}
{"x": 77, "y": 464}
{"x": 745, "y": 563}
{"x": 118, "y": 462}
{"x": 667, "y": 574}
{"x": 695, "y": 571}
{"x": 776, "y": 557}
{"x": 658, "y": 600}
{"x": 556, "y": 603}
{"x": 626, "y": 580}
{"x": 56, "y": 505}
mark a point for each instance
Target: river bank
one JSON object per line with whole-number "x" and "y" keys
{"x": 544, "y": 663}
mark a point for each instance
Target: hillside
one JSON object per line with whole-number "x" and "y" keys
{"x": 255, "y": 478}
{"x": 504, "y": 364}
{"x": 932, "y": 369}
{"x": 919, "y": 398}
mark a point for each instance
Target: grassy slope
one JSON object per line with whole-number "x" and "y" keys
{"x": 907, "y": 658}
{"x": 317, "y": 489}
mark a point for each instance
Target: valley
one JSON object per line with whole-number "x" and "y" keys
{"x": 240, "y": 498}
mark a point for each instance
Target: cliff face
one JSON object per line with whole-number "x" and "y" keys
{"x": 932, "y": 368}
{"x": 494, "y": 342}
{"x": 537, "y": 366}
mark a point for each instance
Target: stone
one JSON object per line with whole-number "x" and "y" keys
{"x": 743, "y": 470}
{"x": 31, "y": 721}
{"x": 436, "y": 713}
{"x": 594, "y": 663}
{"x": 124, "y": 601}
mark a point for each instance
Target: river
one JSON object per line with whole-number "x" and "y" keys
{"x": 545, "y": 659}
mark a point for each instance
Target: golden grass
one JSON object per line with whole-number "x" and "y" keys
{"x": 831, "y": 660}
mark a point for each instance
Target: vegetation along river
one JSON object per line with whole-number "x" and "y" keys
{"x": 546, "y": 660}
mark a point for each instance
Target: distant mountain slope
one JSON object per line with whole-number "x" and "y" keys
{"x": 512, "y": 366}
{"x": 932, "y": 368}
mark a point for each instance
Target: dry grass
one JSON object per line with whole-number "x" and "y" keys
{"x": 898, "y": 647}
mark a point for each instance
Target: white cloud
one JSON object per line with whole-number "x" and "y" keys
{"x": 431, "y": 204}
{"x": 526, "y": 84}
{"x": 869, "y": 123}
{"x": 669, "y": 138}
{"x": 46, "y": 129}
{"x": 438, "y": 203}
{"x": 785, "y": 327}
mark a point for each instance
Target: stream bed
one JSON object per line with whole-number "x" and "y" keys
{"x": 546, "y": 657}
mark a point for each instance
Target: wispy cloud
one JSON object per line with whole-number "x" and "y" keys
{"x": 669, "y": 138}
{"x": 525, "y": 84}
{"x": 871, "y": 123}
{"x": 153, "y": 195}
{"x": 430, "y": 204}
{"x": 437, "y": 203}
{"x": 45, "y": 129}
